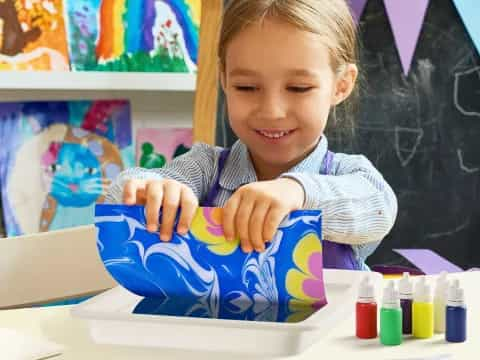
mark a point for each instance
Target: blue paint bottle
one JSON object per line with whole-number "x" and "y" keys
{"x": 456, "y": 314}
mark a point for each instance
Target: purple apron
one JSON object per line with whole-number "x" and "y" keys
{"x": 335, "y": 255}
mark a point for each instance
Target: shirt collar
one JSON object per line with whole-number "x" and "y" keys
{"x": 238, "y": 169}
{"x": 314, "y": 161}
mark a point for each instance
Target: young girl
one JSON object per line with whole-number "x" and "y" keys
{"x": 284, "y": 65}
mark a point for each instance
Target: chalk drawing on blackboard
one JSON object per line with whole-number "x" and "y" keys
{"x": 465, "y": 168}
{"x": 424, "y": 76}
{"x": 457, "y": 229}
{"x": 472, "y": 78}
{"x": 406, "y": 143}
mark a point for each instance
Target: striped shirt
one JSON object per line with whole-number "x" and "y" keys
{"x": 358, "y": 206}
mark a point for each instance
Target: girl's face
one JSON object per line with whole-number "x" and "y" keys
{"x": 279, "y": 89}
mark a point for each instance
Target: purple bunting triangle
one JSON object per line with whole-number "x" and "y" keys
{"x": 469, "y": 12}
{"x": 406, "y": 19}
{"x": 357, "y": 7}
{"x": 428, "y": 261}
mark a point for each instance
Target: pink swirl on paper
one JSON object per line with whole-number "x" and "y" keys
{"x": 213, "y": 227}
{"x": 314, "y": 287}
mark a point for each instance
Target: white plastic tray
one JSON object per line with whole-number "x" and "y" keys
{"x": 111, "y": 321}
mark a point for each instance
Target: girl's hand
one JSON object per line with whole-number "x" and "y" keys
{"x": 255, "y": 211}
{"x": 167, "y": 194}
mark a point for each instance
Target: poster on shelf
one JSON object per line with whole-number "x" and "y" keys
{"x": 57, "y": 160}
{"x": 158, "y": 146}
{"x": 32, "y": 35}
{"x": 142, "y": 35}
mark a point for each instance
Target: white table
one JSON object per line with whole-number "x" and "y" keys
{"x": 56, "y": 324}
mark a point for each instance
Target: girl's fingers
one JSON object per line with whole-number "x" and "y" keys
{"x": 170, "y": 204}
{"x": 131, "y": 189}
{"x": 273, "y": 219}
{"x": 242, "y": 220}
{"x": 188, "y": 206}
{"x": 141, "y": 197}
{"x": 228, "y": 217}
{"x": 255, "y": 228}
{"x": 154, "y": 195}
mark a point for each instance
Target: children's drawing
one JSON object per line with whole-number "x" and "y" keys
{"x": 32, "y": 35}
{"x": 57, "y": 160}
{"x": 202, "y": 275}
{"x": 134, "y": 35}
{"x": 156, "y": 147}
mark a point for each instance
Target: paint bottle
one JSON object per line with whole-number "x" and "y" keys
{"x": 439, "y": 303}
{"x": 405, "y": 290}
{"x": 422, "y": 311}
{"x": 456, "y": 314}
{"x": 391, "y": 317}
{"x": 366, "y": 311}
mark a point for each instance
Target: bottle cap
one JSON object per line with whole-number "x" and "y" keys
{"x": 366, "y": 292}
{"x": 390, "y": 296}
{"x": 405, "y": 286}
{"x": 456, "y": 296}
{"x": 441, "y": 285}
{"x": 422, "y": 291}
{"x": 419, "y": 284}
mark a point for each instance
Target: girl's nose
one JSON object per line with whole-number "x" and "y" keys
{"x": 273, "y": 107}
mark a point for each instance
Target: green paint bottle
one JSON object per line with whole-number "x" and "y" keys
{"x": 391, "y": 317}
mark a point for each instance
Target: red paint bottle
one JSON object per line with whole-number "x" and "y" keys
{"x": 366, "y": 311}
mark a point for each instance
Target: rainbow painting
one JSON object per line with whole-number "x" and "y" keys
{"x": 32, "y": 35}
{"x": 134, "y": 35}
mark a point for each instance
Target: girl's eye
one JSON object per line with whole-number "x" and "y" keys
{"x": 91, "y": 171}
{"x": 300, "y": 89}
{"x": 246, "y": 88}
{"x": 55, "y": 167}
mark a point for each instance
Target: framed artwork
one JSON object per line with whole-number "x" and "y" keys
{"x": 156, "y": 147}
{"x": 57, "y": 160}
{"x": 32, "y": 35}
{"x": 140, "y": 35}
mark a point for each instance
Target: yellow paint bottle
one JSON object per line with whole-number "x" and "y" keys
{"x": 422, "y": 311}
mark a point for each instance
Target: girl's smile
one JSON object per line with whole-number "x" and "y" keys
{"x": 275, "y": 135}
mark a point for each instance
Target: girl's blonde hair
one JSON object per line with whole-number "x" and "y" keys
{"x": 330, "y": 19}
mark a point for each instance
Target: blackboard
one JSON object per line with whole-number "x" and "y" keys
{"x": 422, "y": 131}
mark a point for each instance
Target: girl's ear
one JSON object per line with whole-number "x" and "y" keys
{"x": 345, "y": 83}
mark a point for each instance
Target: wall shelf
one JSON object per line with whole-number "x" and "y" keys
{"x": 91, "y": 80}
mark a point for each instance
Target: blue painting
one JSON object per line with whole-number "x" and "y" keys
{"x": 57, "y": 160}
{"x": 203, "y": 275}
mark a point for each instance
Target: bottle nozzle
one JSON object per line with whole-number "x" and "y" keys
{"x": 456, "y": 296}
{"x": 390, "y": 296}
{"x": 456, "y": 283}
{"x": 405, "y": 287}
{"x": 422, "y": 291}
{"x": 366, "y": 291}
{"x": 441, "y": 285}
